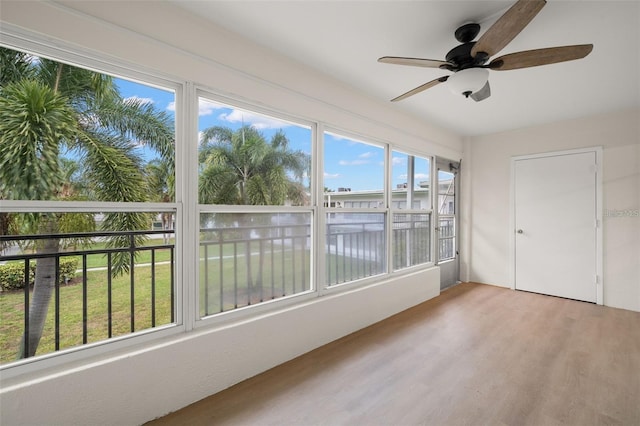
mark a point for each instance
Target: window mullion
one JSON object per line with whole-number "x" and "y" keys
{"x": 320, "y": 209}
{"x": 388, "y": 197}
{"x": 187, "y": 181}
{"x": 433, "y": 192}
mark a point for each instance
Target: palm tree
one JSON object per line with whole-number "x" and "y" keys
{"x": 47, "y": 108}
{"x": 160, "y": 177}
{"x": 241, "y": 168}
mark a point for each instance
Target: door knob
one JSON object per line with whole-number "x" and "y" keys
{"x": 520, "y": 231}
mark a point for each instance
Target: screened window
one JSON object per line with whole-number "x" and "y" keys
{"x": 446, "y": 215}
{"x": 89, "y": 214}
{"x": 250, "y": 258}
{"x": 246, "y": 159}
{"x": 354, "y": 179}
{"x": 411, "y": 181}
{"x": 411, "y": 235}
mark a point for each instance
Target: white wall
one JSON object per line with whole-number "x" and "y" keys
{"x": 487, "y": 182}
{"x": 141, "y": 385}
{"x": 153, "y": 379}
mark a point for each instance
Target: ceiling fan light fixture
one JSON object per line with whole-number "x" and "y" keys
{"x": 467, "y": 60}
{"x": 468, "y": 81}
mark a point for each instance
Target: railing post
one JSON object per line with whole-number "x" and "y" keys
{"x": 57, "y": 305}
{"x": 153, "y": 287}
{"x": 27, "y": 283}
{"x": 172, "y": 282}
{"x": 273, "y": 272}
{"x": 206, "y": 278}
{"x": 221, "y": 255}
{"x": 83, "y": 298}
{"x": 132, "y": 281}
{"x": 109, "y": 296}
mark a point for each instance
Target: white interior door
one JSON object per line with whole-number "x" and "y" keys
{"x": 555, "y": 217}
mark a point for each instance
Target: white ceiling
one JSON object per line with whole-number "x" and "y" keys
{"x": 344, "y": 39}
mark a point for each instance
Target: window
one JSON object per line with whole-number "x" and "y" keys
{"x": 250, "y": 256}
{"x": 86, "y": 169}
{"x": 355, "y": 238}
{"x": 90, "y": 213}
{"x": 446, "y": 215}
{"x": 411, "y": 235}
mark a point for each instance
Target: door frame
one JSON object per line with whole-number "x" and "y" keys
{"x": 599, "y": 235}
{"x": 450, "y": 166}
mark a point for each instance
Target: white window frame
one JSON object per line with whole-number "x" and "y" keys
{"x": 430, "y": 211}
{"x": 187, "y": 208}
{"x": 42, "y": 48}
{"x": 383, "y": 209}
{"x": 267, "y": 305}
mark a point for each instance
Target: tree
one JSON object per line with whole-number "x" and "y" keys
{"x": 47, "y": 108}
{"x": 160, "y": 177}
{"x": 241, "y": 168}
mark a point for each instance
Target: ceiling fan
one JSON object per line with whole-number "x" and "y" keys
{"x": 468, "y": 61}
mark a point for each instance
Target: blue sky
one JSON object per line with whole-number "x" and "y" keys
{"x": 348, "y": 163}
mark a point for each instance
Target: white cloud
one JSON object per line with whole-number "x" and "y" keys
{"x": 331, "y": 175}
{"x": 417, "y": 176}
{"x": 139, "y": 99}
{"x": 206, "y": 107}
{"x": 396, "y": 161}
{"x": 259, "y": 122}
{"x": 368, "y": 154}
{"x": 353, "y": 162}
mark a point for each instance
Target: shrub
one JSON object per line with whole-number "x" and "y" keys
{"x": 12, "y": 274}
{"x": 68, "y": 267}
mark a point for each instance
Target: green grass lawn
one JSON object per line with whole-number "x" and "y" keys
{"x": 71, "y": 315}
{"x": 224, "y": 285}
{"x": 142, "y": 256}
{"x": 100, "y": 260}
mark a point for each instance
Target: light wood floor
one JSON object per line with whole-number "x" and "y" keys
{"x": 476, "y": 355}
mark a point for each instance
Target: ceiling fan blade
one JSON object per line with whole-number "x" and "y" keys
{"x": 421, "y": 88}
{"x": 482, "y": 94}
{"x": 507, "y": 27}
{"x": 415, "y": 62}
{"x": 534, "y": 58}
